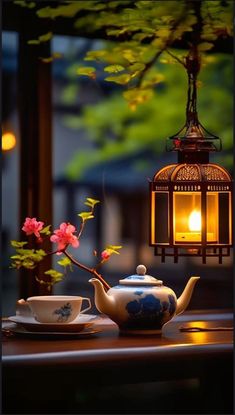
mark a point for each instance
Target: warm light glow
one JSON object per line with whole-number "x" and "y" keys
{"x": 8, "y": 141}
{"x": 195, "y": 221}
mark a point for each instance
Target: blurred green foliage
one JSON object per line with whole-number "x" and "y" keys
{"x": 116, "y": 130}
{"x": 152, "y": 28}
{"x": 139, "y": 59}
{"x": 143, "y": 30}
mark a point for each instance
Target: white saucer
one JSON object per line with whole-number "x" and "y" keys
{"x": 30, "y": 324}
{"x": 23, "y": 332}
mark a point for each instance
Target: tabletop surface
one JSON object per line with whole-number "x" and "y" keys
{"x": 108, "y": 343}
{"x": 70, "y": 368}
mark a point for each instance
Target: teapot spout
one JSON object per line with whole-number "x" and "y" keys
{"x": 183, "y": 300}
{"x": 104, "y": 303}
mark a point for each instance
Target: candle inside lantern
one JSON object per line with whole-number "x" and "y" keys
{"x": 195, "y": 221}
{"x": 193, "y": 229}
{"x": 194, "y": 226}
{"x": 188, "y": 218}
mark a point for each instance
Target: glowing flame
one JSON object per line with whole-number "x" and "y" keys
{"x": 195, "y": 221}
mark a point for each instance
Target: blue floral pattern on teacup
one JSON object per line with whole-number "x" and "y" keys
{"x": 64, "y": 312}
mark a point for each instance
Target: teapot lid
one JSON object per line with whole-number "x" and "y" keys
{"x": 140, "y": 278}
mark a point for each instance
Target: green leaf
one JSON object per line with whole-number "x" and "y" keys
{"x": 46, "y": 230}
{"x": 27, "y": 263}
{"x": 86, "y": 215}
{"x": 137, "y": 96}
{"x": 163, "y": 33}
{"x": 23, "y": 3}
{"x": 209, "y": 36}
{"x": 23, "y": 251}
{"x": 121, "y": 79}
{"x": 129, "y": 55}
{"x": 114, "y": 246}
{"x": 16, "y": 257}
{"x": 55, "y": 55}
{"x": 55, "y": 275}
{"x": 136, "y": 67}
{"x": 33, "y": 42}
{"x": 95, "y": 55}
{"x": 205, "y": 46}
{"x": 27, "y": 258}
{"x": 87, "y": 71}
{"x": 17, "y": 244}
{"x": 46, "y": 37}
{"x": 116, "y": 32}
{"x": 68, "y": 10}
{"x": 47, "y": 60}
{"x": 114, "y": 68}
{"x": 41, "y": 252}
{"x": 91, "y": 201}
{"x": 41, "y": 39}
{"x": 113, "y": 249}
{"x": 152, "y": 80}
{"x": 64, "y": 262}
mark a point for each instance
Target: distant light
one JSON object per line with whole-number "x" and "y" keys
{"x": 8, "y": 141}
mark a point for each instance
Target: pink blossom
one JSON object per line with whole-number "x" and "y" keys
{"x": 105, "y": 255}
{"x": 32, "y": 226}
{"x": 64, "y": 236}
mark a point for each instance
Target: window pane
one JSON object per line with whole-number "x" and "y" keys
{"x": 10, "y": 170}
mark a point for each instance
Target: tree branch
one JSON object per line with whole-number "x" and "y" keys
{"x": 176, "y": 58}
{"x": 90, "y": 270}
{"x": 167, "y": 44}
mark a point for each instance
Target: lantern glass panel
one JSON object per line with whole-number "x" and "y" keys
{"x": 187, "y": 217}
{"x": 225, "y": 218}
{"x": 160, "y": 218}
{"x": 212, "y": 202}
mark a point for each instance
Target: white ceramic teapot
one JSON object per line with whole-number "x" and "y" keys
{"x": 141, "y": 303}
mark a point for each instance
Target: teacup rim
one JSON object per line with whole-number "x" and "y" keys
{"x": 54, "y": 298}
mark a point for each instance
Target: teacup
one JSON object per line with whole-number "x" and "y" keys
{"x": 57, "y": 308}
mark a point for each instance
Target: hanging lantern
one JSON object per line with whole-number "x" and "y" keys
{"x": 191, "y": 201}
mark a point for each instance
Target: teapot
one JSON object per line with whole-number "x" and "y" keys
{"x": 140, "y": 303}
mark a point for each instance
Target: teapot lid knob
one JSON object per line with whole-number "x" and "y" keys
{"x": 141, "y": 270}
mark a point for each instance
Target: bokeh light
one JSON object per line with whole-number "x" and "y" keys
{"x": 8, "y": 141}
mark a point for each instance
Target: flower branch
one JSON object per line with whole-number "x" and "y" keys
{"x": 90, "y": 270}
{"x": 65, "y": 236}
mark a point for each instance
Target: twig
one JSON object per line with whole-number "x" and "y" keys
{"x": 148, "y": 66}
{"x": 90, "y": 270}
{"x": 176, "y": 58}
{"x": 167, "y": 44}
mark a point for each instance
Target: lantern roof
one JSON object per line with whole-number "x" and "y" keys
{"x": 193, "y": 172}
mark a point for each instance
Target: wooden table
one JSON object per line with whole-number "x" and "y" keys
{"x": 47, "y": 375}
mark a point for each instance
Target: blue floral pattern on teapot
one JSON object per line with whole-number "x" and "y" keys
{"x": 140, "y": 302}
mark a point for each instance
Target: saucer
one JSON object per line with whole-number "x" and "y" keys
{"x": 30, "y": 324}
{"x": 21, "y": 331}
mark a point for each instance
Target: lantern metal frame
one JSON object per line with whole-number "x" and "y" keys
{"x": 193, "y": 173}
{"x": 167, "y": 180}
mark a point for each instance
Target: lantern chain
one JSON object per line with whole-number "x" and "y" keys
{"x": 192, "y": 64}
